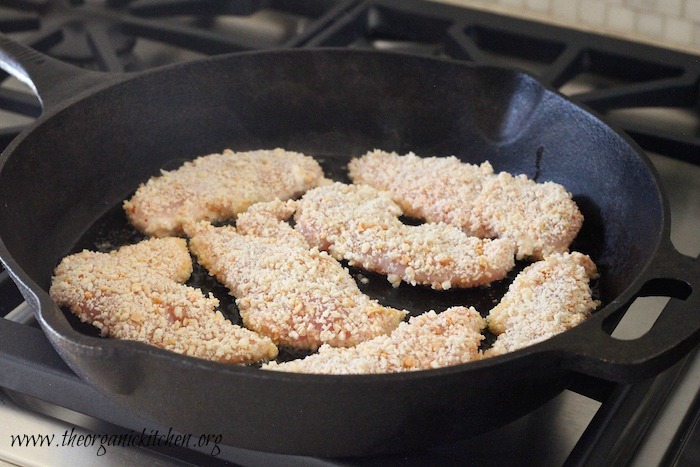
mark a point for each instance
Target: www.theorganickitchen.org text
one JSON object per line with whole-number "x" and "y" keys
{"x": 147, "y": 438}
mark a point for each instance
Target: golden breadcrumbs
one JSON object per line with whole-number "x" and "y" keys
{"x": 298, "y": 296}
{"x": 427, "y": 341}
{"x": 540, "y": 217}
{"x": 361, "y": 224}
{"x": 219, "y": 186}
{"x": 546, "y": 298}
{"x": 136, "y": 293}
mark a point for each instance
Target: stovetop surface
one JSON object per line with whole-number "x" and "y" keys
{"x": 649, "y": 92}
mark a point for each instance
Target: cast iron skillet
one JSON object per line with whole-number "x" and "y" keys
{"x": 101, "y": 135}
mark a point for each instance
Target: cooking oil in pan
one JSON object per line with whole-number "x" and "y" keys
{"x": 113, "y": 230}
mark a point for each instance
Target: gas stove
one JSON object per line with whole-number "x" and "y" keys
{"x": 649, "y": 92}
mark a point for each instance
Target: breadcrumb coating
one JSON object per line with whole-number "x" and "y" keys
{"x": 428, "y": 341}
{"x": 436, "y": 189}
{"x": 289, "y": 286}
{"x": 546, "y": 298}
{"x": 298, "y": 296}
{"x": 541, "y": 218}
{"x": 136, "y": 293}
{"x": 361, "y": 224}
{"x": 217, "y": 187}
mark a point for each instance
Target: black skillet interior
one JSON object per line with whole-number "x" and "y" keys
{"x": 113, "y": 230}
{"x": 80, "y": 162}
{"x": 85, "y": 160}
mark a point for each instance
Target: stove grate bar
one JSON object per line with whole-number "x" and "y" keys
{"x": 9, "y": 294}
{"x": 685, "y": 449}
{"x": 680, "y": 147}
{"x": 8, "y": 134}
{"x": 26, "y": 5}
{"x": 22, "y": 314}
{"x": 157, "y": 8}
{"x": 31, "y": 366}
{"x": 623, "y": 420}
{"x": 462, "y": 46}
{"x": 19, "y": 102}
{"x": 668, "y": 92}
{"x": 186, "y": 37}
{"x": 44, "y": 38}
{"x": 11, "y": 21}
{"x": 100, "y": 45}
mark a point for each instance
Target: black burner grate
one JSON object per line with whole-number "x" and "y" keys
{"x": 629, "y": 83}
{"x": 84, "y": 31}
{"x": 118, "y": 36}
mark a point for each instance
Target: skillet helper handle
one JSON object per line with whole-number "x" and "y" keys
{"x": 675, "y": 333}
{"x": 53, "y": 81}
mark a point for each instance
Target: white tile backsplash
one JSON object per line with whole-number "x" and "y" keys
{"x": 511, "y": 3}
{"x": 669, "y": 23}
{"x": 592, "y": 12}
{"x": 538, "y": 5}
{"x": 565, "y": 10}
{"x": 671, "y": 8}
{"x": 646, "y": 5}
{"x": 678, "y": 30}
{"x": 692, "y": 10}
{"x": 621, "y": 19}
{"x": 650, "y": 25}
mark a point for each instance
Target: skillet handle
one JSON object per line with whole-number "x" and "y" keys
{"x": 592, "y": 351}
{"x": 53, "y": 81}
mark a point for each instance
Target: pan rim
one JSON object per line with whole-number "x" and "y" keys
{"x": 41, "y": 300}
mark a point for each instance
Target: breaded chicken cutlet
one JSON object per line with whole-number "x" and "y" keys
{"x": 297, "y": 295}
{"x": 546, "y": 298}
{"x": 217, "y": 187}
{"x": 427, "y": 341}
{"x": 361, "y": 224}
{"x": 136, "y": 293}
{"x": 540, "y": 217}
